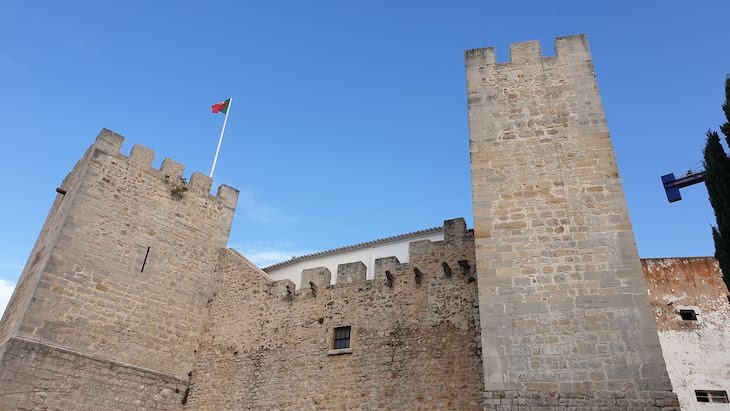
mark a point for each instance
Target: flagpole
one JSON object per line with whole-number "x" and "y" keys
{"x": 220, "y": 140}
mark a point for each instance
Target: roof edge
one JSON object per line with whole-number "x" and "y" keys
{"x": 331, "y": 251}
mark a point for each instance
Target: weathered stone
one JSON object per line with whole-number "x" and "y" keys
{"x": 351, "y": 273}
{"x": 547, "y": 196}
{"x": 317, "y": 277}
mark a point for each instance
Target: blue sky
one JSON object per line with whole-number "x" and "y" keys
{"x": 340, "y": 107}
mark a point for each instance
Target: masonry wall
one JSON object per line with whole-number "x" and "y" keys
{"x": 41, "y": 251}
{"x": 564, "y": 309}
{"x": 415, "y": 337}
{"x": 38, "y": 376}
{"x": 92, "y": 294}
{"x": 697, "y": 353}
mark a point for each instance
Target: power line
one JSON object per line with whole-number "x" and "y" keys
{"x": 371, "y": 210}
{"x": 693, "y": 167}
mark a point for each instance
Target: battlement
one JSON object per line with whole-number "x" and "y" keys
{"x": 567, "y": 48}
{"x": 399, "y": 321}
{"x": 122, "y": 235}
{"x": 171, "y": 171}
{"x": 389, "y": 271}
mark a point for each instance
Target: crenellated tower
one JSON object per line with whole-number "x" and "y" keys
{"x": 118, "y": 280}
{"x": 565, "y": 316}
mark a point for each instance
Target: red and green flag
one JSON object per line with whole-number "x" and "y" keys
{"x": 221, "y": 107}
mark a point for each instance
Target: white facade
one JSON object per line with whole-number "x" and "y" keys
{"x": 366, "y": 252}
{"x": 696, "y": 349}
{"x": 699, "y": 359}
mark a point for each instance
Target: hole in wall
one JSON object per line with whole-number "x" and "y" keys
{"x": 688, "y": 315}
{"x": 447, "y": 269}
{"x": 418, "y": 275}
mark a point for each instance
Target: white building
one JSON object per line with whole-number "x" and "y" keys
{"x": 368, "y": 252}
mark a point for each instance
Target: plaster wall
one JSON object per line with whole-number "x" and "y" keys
{"x": 697, "y": 353}
{"x": 366, "y": 254}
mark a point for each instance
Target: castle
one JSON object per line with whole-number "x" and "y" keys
{"x": 131, "y": 300}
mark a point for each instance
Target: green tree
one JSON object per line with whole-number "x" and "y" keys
{"x": 717, "y": 180}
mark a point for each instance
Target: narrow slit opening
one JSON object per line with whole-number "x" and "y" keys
{"x": 145, "y": 260}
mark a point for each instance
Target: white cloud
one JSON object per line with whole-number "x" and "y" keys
{"x": 264, "y": 253}
{"x": 6, "y": 290}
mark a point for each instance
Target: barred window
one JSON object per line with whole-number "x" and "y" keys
{"x": 342, "y": 337}
{"x": 711, "y": 396}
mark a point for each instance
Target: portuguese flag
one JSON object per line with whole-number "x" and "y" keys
{"x": 221, "y": 107}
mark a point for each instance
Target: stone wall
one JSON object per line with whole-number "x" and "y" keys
{"x": 564, "y": 310}
{"x": 42, "y": 249}
{"x": 41, "y": 377}
{"x": 696, "y": 351}
{"x": 130, "y": 267}
{"x": 414, "y": 341}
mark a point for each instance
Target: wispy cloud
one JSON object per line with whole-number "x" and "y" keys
{"x": 253, "y": 209}
{"x": 263, "y": 253}
{"x": 6, "y": 290}
{"x": 10, "y": 268}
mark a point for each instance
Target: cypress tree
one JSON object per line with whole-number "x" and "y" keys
{"x": 717, "y": 180}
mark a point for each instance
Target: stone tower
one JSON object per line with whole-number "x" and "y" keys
{"x": 564, "y": 309}
{"x": 110, "y": 306}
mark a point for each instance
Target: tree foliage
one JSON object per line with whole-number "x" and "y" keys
{"x": 717, "y": 180}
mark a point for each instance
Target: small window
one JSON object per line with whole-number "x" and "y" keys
{"x": 688, "y": 315}
{"x": 342, "y": 338}
{"x": 711, "y": 396}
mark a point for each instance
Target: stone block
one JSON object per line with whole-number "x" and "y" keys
{"x": 319, "y": 276}
{"x": 385, "y": 264}
{"x": 351, "y": 273}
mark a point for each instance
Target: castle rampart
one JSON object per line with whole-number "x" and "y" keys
{"x": 131, "y": 299}
{"x": 414, "y": 338}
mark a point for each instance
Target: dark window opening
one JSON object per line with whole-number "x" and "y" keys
{"x": 465, "y": 267}
{"x": 711, "y": 396}
{"x": 419, "y": 275}
{"x": 688, "y": 315}
{"x": 145, "y": 260}
{"x": 342, "y": 337}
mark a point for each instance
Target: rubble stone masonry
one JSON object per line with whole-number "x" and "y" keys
{"x": 414, "y": 336}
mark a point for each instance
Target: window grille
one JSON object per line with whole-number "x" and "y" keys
{"x": 342, "y": 337}
{"x": 711, "y": 396}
